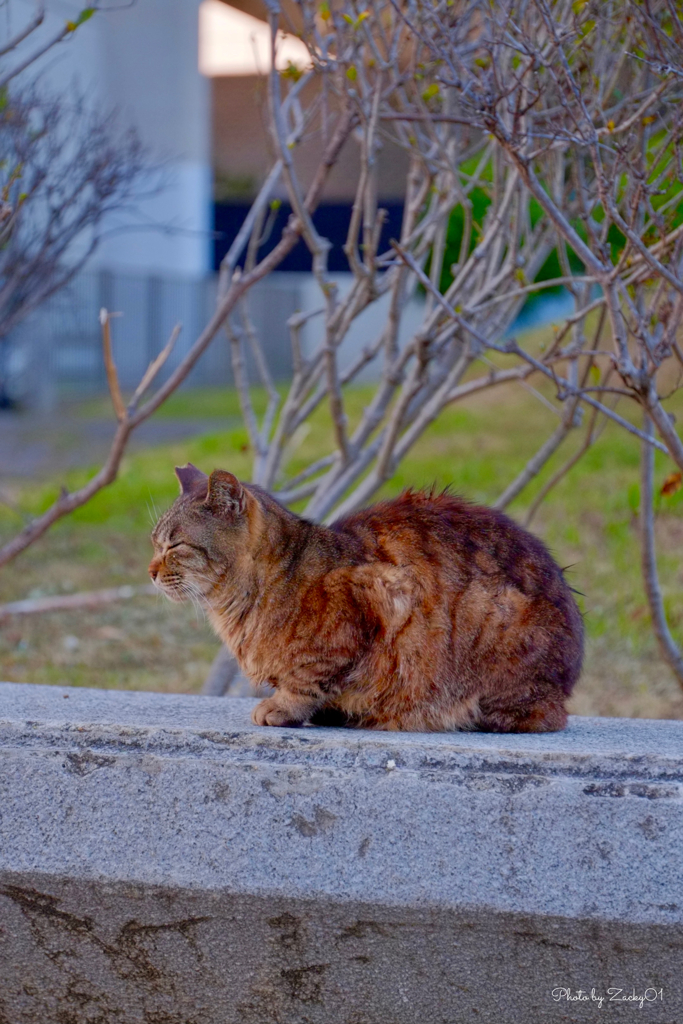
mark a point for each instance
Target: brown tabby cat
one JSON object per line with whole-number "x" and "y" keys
{"x": 422, "y": 613}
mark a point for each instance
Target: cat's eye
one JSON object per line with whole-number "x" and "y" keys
{"x": 182, "y": 544}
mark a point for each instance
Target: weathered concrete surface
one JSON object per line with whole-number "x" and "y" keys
{"x": 163, "y": 861}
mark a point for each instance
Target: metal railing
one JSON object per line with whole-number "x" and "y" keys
{"x": 57, "y": 351}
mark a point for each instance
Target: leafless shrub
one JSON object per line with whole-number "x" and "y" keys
{"x": 64, "y": 168}
{"x": 552, "y": 132}
{"x": 566, "y": 118}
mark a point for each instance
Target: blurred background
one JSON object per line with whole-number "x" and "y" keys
{"x": 187, "y": 78}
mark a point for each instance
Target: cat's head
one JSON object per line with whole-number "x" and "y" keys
{"x": 198, "y": 541}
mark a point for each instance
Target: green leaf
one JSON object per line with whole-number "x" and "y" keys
{"x": 351, "y": 73}
{"x": 431, "y": 91}
{"x": 292, "y": 71}
{"x": 356, "y": 24}
{"x": 633, "y": 498}
{"x": 85, "y": 15}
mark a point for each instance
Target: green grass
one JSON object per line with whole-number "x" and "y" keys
{"x": 476, "y": 447}
{"x": 186, "y": 403}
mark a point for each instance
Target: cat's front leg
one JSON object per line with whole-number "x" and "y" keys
{"x": 286, "y": 708}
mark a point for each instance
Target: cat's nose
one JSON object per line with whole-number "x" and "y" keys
{"x": 154, "y": 569}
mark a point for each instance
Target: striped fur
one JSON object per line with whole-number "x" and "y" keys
{"x": 423, "y": 613}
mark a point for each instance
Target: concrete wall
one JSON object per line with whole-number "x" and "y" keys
{"x": 163, "y": 860}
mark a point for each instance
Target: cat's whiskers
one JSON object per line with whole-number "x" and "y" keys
{"x": 187, "y": 589}
{"x": 190, "y": 583}
{"x": 153, "y": 514}
{"x": 199, "y": 577}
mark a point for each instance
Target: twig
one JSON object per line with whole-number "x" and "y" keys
{"x": 535, "y": 464}
{"x": 67, "y": 602}
{"x": 110, "y": 366}
{"x": 154, "y": 368}
{"x": 29, "y": 28}
{"x": 667, "y": 645}
{"x": 441, "y": 300}
{"x": 591, "y": 437}
{"x": 569, "y": 390}
{"x": 62, "y": 33}
{"x": 229, "y": 261}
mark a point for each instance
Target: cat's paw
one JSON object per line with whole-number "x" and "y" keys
{"x": 271, "y": 712}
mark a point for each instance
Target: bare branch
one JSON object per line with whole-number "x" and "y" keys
{"x": 25, "y": 32}
{"x": 154, "y": 369}
{"x": 67, "y": 503}
{"x": 110, "y": 366}
{"x": 667, "y": 645}
{"x": 571, "y": 391}
{"x": 67, "y": 30}
{"x": 591, "y": 437}
{"x": 537, "y": 462}
{"x": 69, "y": 602}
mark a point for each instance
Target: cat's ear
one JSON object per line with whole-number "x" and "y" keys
{"x": 191, "y": 479}
{"x": 226, "y": 493}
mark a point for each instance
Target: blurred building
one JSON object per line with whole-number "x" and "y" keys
{"x": 189, "y": 77}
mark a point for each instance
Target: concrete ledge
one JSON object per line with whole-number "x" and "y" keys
{"x": 164, "y": 861}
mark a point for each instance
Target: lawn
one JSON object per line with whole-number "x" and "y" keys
{"x": 477, "y": 447}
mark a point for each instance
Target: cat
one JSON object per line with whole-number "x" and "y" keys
{"x": 424, "y": 613}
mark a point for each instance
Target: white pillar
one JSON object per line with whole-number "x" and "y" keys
{"x": 142, "y": 60}
{"x": 150, "y": 73}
